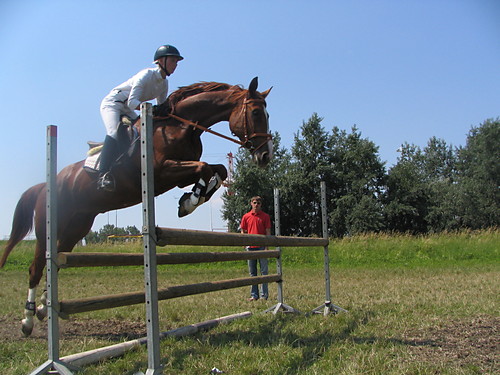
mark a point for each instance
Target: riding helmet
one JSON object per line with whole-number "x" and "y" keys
{"x": 167, "y": 50}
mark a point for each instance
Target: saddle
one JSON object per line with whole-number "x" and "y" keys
{"x": 127, "y": 143}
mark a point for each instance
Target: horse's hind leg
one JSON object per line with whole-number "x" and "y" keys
{"x": 35, "y": 275}
{"x": 75, "y": 229}
{"x": 41, "y": 310}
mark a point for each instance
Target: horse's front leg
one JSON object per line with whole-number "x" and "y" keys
{"x": 218, "y": 177}
{"x": 202, "y": 190}
{"x": 206, "y": 179}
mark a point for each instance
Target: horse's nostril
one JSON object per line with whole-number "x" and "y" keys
{"x": 264, "y": 158}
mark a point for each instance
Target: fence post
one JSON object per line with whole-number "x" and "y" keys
{"x": 53, "y": 363}
{"x": 149, "y": 241}
{"x": 280, "y": 306}
{"x": 277, "y": 232}
{"x": 328, "y": 307}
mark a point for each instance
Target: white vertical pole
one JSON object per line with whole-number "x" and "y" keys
{"x": 51, "y": 254}
{"x": 277, "y": 232}
{"x": 280, "y": 306}
{"x": 149, "y": 240}
{"x": 324, "y": 221}
{"x": 328, "y": 307}
{"x": 53, "y": 362}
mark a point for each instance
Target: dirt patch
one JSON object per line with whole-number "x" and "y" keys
{"x": 471, "y": 342}
{"x": 112, "y": 329}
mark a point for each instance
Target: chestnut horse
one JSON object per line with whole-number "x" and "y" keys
{"x": 186, "y": 114}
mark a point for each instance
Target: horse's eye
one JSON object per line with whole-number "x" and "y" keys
{"x": 255, "y": 112}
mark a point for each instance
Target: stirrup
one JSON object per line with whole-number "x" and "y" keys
{"x": 106, "y": 182}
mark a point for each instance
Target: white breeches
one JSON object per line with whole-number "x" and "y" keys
{"x": 111, "y": 112}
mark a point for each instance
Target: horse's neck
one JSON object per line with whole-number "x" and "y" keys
{"x": 206, "y": 108}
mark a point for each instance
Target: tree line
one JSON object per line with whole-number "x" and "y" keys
{"x": 431, "y": 189}
{"x": 110, "y": 230}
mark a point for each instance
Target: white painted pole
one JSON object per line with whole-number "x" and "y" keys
{"x": 96, "y": 355}
{"x": 53, "y": 362}
{"x": 280, "y": 306}
{"x": 149, "y": 240}
{"x": 277, "y": 232}
{"x": 328, "y": 307}
{"x": 51, "y": 254}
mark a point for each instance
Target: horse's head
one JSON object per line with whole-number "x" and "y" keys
{"x": 249, "y": 121}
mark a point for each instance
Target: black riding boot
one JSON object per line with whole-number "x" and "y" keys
{"x": 108, "y": 155}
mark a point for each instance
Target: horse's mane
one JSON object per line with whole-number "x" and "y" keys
{"x": 196, "y": 88}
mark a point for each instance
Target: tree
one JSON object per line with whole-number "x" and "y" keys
{"x": 478, "y": 177}
{"x": 439, "y": 173}
{"x": 407, "y": 195}
{"x": 300, "y": 187}
{"x": 356, "y": 180}
{"x": 108, "y": 230}
{"x": 421, "y": 189}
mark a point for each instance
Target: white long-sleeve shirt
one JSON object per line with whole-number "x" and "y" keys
{"x": 146, "y": 85}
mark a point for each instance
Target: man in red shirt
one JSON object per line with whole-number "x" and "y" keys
{"x": 257, "y": 221}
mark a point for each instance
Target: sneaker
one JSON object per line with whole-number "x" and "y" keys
{"x": 251, "y": 299}
{"x": 106, "y": 182}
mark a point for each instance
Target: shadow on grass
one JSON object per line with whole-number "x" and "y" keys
{"x": 282, "y": 330}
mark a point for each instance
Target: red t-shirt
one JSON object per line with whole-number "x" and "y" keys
{"x": 256, "y": 222}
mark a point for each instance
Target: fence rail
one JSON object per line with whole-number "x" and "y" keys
{"x": 65, "y": 260}
{"x": 170, "y": 236}
{"x": 125, "y": 299}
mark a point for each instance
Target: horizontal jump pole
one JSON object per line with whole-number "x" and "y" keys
{"x": 65, "y": 260}
{"x": 170, "y": 236}
{"x": 116, "y": 350}
{"x": 75, "y": 306}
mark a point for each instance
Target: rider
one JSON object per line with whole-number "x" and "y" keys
{"x": 124, "y": 99}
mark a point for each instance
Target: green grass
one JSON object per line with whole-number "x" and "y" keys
{"x": 408, "y": 299}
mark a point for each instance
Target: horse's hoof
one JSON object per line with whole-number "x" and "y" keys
{"x": 41, "y": 313}
{"x": 26, "y": 328}
{"x": 183, "y": 211}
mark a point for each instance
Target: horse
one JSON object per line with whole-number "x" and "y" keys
{"x": 177, "y": 127}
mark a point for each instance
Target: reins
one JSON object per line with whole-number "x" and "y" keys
{"x": 246, "y": 144}
{"x": 200, "y": 127}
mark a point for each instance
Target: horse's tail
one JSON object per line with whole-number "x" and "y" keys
{"x": 23, "y": 219}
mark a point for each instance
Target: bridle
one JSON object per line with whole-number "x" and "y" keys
{"x": 246, "y": 143}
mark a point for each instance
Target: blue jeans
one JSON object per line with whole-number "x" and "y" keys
{"x": 252, "y": 268}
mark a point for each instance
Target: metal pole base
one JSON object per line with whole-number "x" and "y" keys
{"x": 60, "y": 367}
{"x": 281, "y": 307}
{"x": 157, "y": 371}
{"x": 328, "y": 308}
{"x": 150, "y": 371}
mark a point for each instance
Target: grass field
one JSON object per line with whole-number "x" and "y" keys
{"x": 416, "y": 305}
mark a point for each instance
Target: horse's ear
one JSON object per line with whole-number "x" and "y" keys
{"x": 266, "y": 93}
{"x": 252, "y": 89}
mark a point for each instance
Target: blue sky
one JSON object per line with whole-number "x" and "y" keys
{"x": 401, "y": 71}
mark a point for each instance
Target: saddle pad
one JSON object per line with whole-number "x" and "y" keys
{"x": 93, "y": 158}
